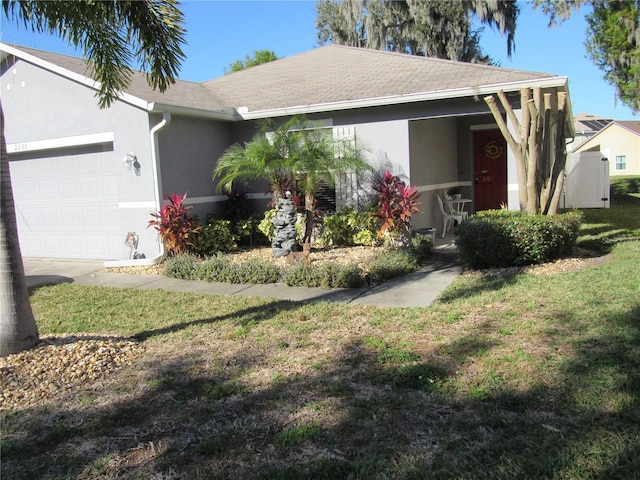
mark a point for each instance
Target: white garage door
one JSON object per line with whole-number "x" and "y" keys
{"x": 67, "y": 206}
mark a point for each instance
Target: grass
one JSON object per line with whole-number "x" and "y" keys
{"x": 510, "y": 376}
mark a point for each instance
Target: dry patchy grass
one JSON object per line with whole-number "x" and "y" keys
{"x": 509, "y": 375}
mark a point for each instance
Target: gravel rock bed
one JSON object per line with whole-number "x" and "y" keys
{"x": 60, "y": 363}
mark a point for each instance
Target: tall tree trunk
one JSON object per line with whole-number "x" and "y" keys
{"x": 540, "y": 149}
{"x": 309, "y": 201}
{"x": 18, "y": 330}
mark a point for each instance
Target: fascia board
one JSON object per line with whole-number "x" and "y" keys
{"x": 228, "y": 115}
{"x": 547, "y": 82}
{"x": 52, "y": 67}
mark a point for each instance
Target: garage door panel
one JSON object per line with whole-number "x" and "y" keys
{"x": 91, "y": 188}
{"x": 47, "y": 190}
{"x": 54, "y": 243}
{"x": 67, "y": 207}
{"x": 51, "y": 217}
{"x": 94, "y": 216}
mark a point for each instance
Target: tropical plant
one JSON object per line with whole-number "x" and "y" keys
{"x": 320, "y": 158}
{"x": 112, "y": 34}
{"x": 269, "y": 155}
{"x": 175, "y": 225}
{"x": 349, "y": 227}
{"x": 434, "y": 28}
{"x": 295, "y": 155}
{"x": 397, "y": 202}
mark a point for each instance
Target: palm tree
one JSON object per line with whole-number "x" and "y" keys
{"x": 297, "y": 154}
{"x": 269, "y": 155}
{"x": 321, "y": 158}
{"x": 112, "y": 35}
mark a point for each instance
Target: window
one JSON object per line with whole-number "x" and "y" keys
{"x": 621, "y": 162}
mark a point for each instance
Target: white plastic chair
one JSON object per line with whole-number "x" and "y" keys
{"x": 448, "y": 219}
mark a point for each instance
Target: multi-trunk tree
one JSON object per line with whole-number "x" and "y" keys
{"x": 537, "y": 140}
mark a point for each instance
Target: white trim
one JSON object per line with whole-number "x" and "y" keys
{"x": 60, "y": 142}
{"x": 133, "y": 263}
{"x": 147, "y": 204}
{"x": 229, "y": 114}
{"x": 442, "y": 186}
{"x": 513, "y": 187}
{"x": 408, "y": 98}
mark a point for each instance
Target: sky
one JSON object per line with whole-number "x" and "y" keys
{"x": 221, "y": 32}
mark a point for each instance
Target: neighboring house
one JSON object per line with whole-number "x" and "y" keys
{"x": 586, "y": 126}
{"x": 85, "y": 177}
{"x": 619, "y": 142}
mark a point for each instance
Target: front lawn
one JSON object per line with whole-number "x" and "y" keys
{"x": 508, "y": 375}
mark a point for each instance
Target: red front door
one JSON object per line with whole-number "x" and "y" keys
{"x": 490, "y": 166}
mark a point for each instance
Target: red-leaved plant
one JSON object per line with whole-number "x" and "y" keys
{"x": 397, "y": 202}
{"x": 175, "y": 225}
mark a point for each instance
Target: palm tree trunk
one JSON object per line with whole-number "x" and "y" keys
{"x": 18, "y": 330}
{"x": 309, "y": 200}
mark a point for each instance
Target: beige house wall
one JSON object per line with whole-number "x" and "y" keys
{"x": 433, "y": 147}
{"x": 614, "y": 141}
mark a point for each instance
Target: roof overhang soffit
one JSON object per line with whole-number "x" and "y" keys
{"x": 547, "y": 82}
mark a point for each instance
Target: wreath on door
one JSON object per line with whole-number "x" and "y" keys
{"x": 493, "y": 149}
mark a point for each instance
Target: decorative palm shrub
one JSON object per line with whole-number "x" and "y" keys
{"x": 396, "y": 203}
{"x": 175, "y": 225}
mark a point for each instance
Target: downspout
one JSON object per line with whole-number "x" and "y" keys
{"x": 155, "y": 168}
{"x": 155, "y": 162}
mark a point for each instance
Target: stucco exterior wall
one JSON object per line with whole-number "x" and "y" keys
{"x": 42, "y": 106}
{"x": 189, "y": 149}
{"x": 434, "y": 164}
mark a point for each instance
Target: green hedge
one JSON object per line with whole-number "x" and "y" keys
{"x": 219, "y": 268}
{"x": 505, "y": 238}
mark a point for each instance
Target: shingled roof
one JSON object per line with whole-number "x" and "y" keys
{"x": 182, "y": 93}
{"x": 339, "y": 74}
{"x": 324, "y": 79}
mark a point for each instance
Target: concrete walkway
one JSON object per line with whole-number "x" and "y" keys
{"x": 418, "y": 289}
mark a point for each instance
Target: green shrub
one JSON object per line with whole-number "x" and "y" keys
{"x": 349, "y": 227}
{"x": 182, "y": 266}
{"x": 247, "y": 231}
{"x": 393, "y": 263}
{"x": 504, "y": 238}
{"x": 213, "y": 269}
{"x": 255, "y": 272}
{"x": 328, "y": 275}
{"x": 420, "y": 248}
{"x": 266, "y": 225}
{"x": 220, "y": 269}
{"x": 216, "y": 236}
